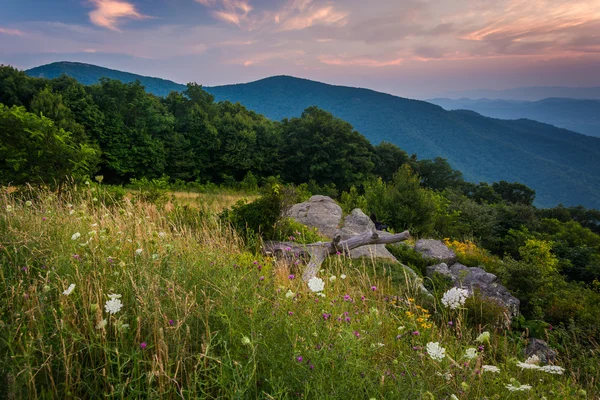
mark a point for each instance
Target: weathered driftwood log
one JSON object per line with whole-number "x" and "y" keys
{"x": 316, "y": 253}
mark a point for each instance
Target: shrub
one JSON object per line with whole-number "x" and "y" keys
{"x": 409, "y": 256}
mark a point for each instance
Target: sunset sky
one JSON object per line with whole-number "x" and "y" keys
{"x": 412, "y": 48}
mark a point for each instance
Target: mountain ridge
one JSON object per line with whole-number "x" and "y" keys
{"x": 562, "y": 166}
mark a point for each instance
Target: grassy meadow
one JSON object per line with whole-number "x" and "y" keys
{"x": 126, "y": 299}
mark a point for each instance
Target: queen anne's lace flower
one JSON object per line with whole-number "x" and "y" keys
{"x": 471, "y": 353}
{"x": 138, "y": 252}
{"x": 552, "y": 369}
{"x": 75, "y": 236}
{"x": 436, "y": 351}
{"x": 484, "y": 337}
{"x": 455, "y": 298}
{"x": 113, "y": 305}
{"x": 518, "y": 388}
{"x": 526, "y": 365}
{"x": 69, "y": 289}
{"x": 289, "y": 294}
{"x": 490, "y": 368}
{"x": 534, "y": 359}
{"x": 316, "y": 284}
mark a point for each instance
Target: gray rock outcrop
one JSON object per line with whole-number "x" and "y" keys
{"x": 435, "y": 251}
{"x": 321, "y": 212}
{"x": 356, "y": 223}
{"x": 541, "y": 349}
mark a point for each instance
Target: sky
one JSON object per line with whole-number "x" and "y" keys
{"x": 411, "y": 48}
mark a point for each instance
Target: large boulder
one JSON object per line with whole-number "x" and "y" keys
{"x": 541, "y": 349}
{"x": 476, "y": 279}
{"x": 320, "y": 212}
{"x": 356, "y": 223}
{"x": 435, "y": 251}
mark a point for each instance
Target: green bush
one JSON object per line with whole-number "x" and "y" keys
{"x": 409, "y": 256}
{"x": 154, "y": 191}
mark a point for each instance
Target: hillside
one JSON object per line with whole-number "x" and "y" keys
{"x": 89, "y": 74}
{"x": 532, "y": 93}
{"x": 582, "y": 116}
{"x": 562, "y": 166}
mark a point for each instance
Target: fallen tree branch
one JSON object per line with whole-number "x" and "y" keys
{"x": 316, "y": 253}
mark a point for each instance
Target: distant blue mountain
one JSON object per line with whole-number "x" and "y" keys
{"x": 533, "y": 93}
{"x": 581, "y": 116}
{"x": 561, "y": 165}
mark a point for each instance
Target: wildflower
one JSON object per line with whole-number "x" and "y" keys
{"x": 102, "y": 324}
{"x": 524, "y": 365}
{"x": 326, "y": 316}
{"x": 435, "y": 351}
{"x": 71, "y": 212}
{"x": 290, "y": 294}
{"x": 455, "y": 298}
{"x": 290, "y": 313}
{"x": 299, "y": 358}
{"x": 316, "y": 284}
{"x": 321, "y": 294}
{"x": 517, "y": 388}
{"x": 143, "y": 345}
{"x": 347, "y": 297}
{"x": 311, "y": 366}
{"x": 245, "y": 340}
{"x": 262, "y": 278}
{"x": 138, "y": 252}
{"x": 161, "y": 234}
{"x": 343, "y": 276}
{"x": 113, "y": 305}
{"x": 171, "y": 322}
{"x": 28, "y": 203}
{"x": 484, "y": 337}
{"x": 9, "y": 208}
{"x": 471, "y": 353}
{"x": 416, "y": 333}
{"x": 373, "y": 288}
{"x": 490, "y": 368}
{"x": 357, "y": 334}
{"x": 76, "y": 256}
{"x": 75, "y": 236}
{"x": 450, "y": 323}
{"x": 332, "y": 278}
{"x": 552, "y": 369}
{"x": 291, "y": 276}
{"x": 534, "y": 359}
{"x": 69, "y": 289}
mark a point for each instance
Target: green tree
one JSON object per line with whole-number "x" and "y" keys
{"x": 515, "y": 192}
{"x": 320, "y": 147}
{"x": 388, "y": 158}
{"x": 437, "y": 174}
{"x": 34, "y": 150}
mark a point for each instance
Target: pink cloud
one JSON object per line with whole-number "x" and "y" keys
{"x": 360, "y": 62}
{"x": 12, "y": 32}
{"x": 232, "y": 11}
{"x": 108, "y": 13}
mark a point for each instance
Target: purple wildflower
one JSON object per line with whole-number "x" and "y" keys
{"x": 299, "y": 359}
{"x": 143, "y": 345}
{"x": 292, "y": 276}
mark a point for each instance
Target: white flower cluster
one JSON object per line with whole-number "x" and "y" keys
{"x": 471, "y": 353}
{"x": 436, "y": 351}
{"x": 69, "y": 289}
{"x": 532, "y": 363}
{"x": 534, "y": 359}
{"x": 490, "y": 368}
{"x": 75, "y": 236}
{"x": 316, "y": 284}
{"x": 455, "y": 298}
{"x": 113, "y": 305}
{"x": 518, "y": 388}
{"x": 526, "y": 365}
{"x": 552, "y": 369}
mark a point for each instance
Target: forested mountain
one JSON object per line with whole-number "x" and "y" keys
{"x": 562, "y": 166}
{"x": 532, "y": 93}
{"x": 581, "y": 116}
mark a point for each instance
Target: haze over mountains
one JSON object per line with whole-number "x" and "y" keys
{"x": 533, "y": 93}
{"x": 561, "y": 165}
{"x": 578, "y": 115}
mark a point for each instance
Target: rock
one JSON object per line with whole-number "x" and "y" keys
{"x": 440, "y": 269}
{"x": 320, "y": 212}
{"x": 356, "y": 223}
{"x": 436, "y": 251}
{"x": 541, "y": 349}
{"x": 478, "y": 279}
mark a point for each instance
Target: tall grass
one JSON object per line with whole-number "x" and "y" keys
{"x": 203, "y": 318}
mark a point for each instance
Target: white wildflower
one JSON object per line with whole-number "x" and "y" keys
{"x": 526, "y": 365}
{"x": 471, "y": 353}
{"x": 343, "y": 276}
{"x": 446, "y": 375}
{"x": 552, "y": 369}
{"x": 321, "y": 294}
{"x": 534, "y": 359}
{"x": 455, "y": 298}
{"x": 332, "y": 278}
{"x": 71, "y": 212}
{"x": 316, "y": 284}
{"x": 518, "y": 388}
{"x": 28, "y": 203}
{"x": 245, "y": 340}
{"x": 75, "y": 236}
{"x": 113, "y": 306}
{"x": 161, "y": 234}
{"x": 9, "y": 208}
{"x": 138, "y": 252}
{"x": 290, "y": 294}
{"x": 436, "y": 351}
{"x": 69, "y": 289}
{"x": 490, "y": 368}
{"x": 102, "y": 324}
{"x": 484, "y": 337}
